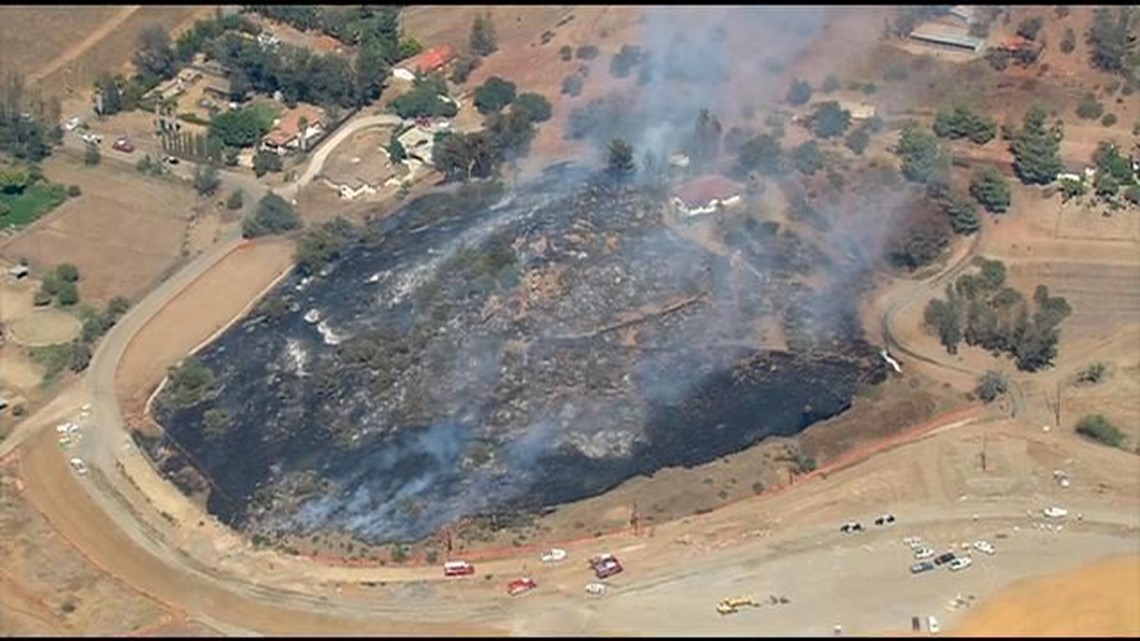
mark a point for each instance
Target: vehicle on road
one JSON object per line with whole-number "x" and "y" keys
{"x": 1055, "y": 512}
{"x": 851, "y": 526}
{"x": 919, "y": 568}
{"x": 78, "y": 465}
{"x": 923, "y": 553}
{"x": 960, "y": 563}
{"x": 521, "y": 585}
{"x": 605, "y": 565}
{"x": 915, "y": 624}
{"x": 72, "y": 124}
{"x": 123, "y": 145}
{"x": 553, "y": 555}
{"x": 945, "y": 558}
{"x": 885, "y": 519}
{"x": 732, "y": 604}
{"x": 170, "y": 160}
{"x": 932, "y": 624}
{"x": 92, "y": 139}
{"x": 984, "y": 546}
{"x": 596, "y": 589}
{"x": 458, "y": 568}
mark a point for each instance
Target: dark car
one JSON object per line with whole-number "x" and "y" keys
{"x": 919, "y": 568}
{"x": 885, "y": 519}
{"x": 945, "y": 558}
{"x": 915, "y": 624}
{"x": 848, "y": 528}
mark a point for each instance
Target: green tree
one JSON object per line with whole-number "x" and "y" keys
{"x": 961, "y": 122}
{"x": 1089, "y": 108}
{"x": 620, "y": 157}
{"x": 1068, "y": 41}
{"x": 963, "y": 216}
{"x": 409, "y": 47}
{"x": 922, "y": 158}
{"x": 235, "y": 200}
{"x": 799, "y": 93}
{"x": 206, "y": 179}
{"x": 807, "y": 158}
{"x": 991, "y": 385}
{"x": 830, "y": 120}
{"x": 154, "y": 57}
{"x": 463, "y": 67}
{"x": 239, "y": 128}
{"x": 572, "y": 85}
{"x": 1110, "y": 39}
{"x": 67, "y": 272}
{"x": 111, "y": 92}
{"x": 68, "y": 294}
{"x": 704, "y": 142}
{"x": 369, "y": 70}
{"x": 761, "y": 153}
{"x": 1037, "y": 150}
{"x": 534, "y": 105}
{"x": 274, "y": 215}
{"x": 858, "y": 140}
{"x": 1106, "y": 185}
{"x": 1132, "y": 194}
{"x": 91, "y": 156}
{"x": 566, "y": 53}
{"x": 1030, "y": 27}
{"x": 13, "y": 180}
{"x": 396, "y": 151}
{"x": 494, "y": 94}
{"x": 1072, "y": 189}
{"x": 990, "y": 189}
{"x": 265, "y": 162}
{"x": 483, "y": 39}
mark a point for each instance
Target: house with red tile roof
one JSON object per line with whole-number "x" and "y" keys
{"x": 432, "y": 60}
{"x": 287, "y": 134}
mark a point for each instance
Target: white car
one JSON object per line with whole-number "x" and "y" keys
{"x": 960, "y": 563}
{"x": 92, "y": 138}
{"x": 1055, "y": 512}
{"x": 72, "y": 124}
{"x": 984, "y": 546}
{"x": 932, "y": 624}
{"x": 922, "y": 554}
{"x": 553, "y": 555}
{"x": 78, "y": 465}
{"x": 596, "y": 589}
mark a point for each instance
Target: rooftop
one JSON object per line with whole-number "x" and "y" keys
{"x": 702, "y": 191}
{"x": 432, "y": 59}
{"x": 948, "y": 35}
{"x": 290, "y": 123}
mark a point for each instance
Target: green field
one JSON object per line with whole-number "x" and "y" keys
{"x": 34, "y": 202}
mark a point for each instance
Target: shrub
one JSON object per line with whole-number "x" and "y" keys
{"x": 990, "y": 189}
{"x": 830, "y": 84}
{"x": 274, "y": 215}
{"x": 566, "y": 53}
{"x": 534, "y": 105}
{"x": 1099, "y": 429}
{"x": 68, "y": 294}
{"x": 586, "y": 52}
{"x": 991, "y": 385}
{"x": 464, "y": 65}
{"x": 1092, "y": 374}
{"x": 572, "y": 85}
{"x": 73, "y": 191}
{"x": 799, "y": 93}
{"x": 1108, "y": 120}
{"x": 399, "y": 553}
{"x": 67, "y": 272}
{"x": 494, "y": 94}
{"x": 1089, "y": 108}
{"x": 235, "y": 200}
{"x": 1069, "y": 41}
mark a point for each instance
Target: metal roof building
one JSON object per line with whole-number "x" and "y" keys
{"x": 948, "y": 38}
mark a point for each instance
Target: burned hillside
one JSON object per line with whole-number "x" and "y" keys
{"x": 465, "y": 357}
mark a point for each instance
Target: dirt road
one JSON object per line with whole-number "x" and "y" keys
{"x": 76, "y": 50}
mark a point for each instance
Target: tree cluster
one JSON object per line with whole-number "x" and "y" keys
{"x": 1112, "y": 38}
{"x": 299, "y": 74}
{"x": 29, "y": 125}
{"x": 962, "y": 122}
{"x": 484, "y": 40}
{"x": 60, "y": 285}
{"x": 376, "y": 26}
{"x": 829, "y": 120}
{"x": 1037, "y": 149}
{"x": 922, "y": 157}
{"x": 274, "y": 215}
{"x": 990, "y": 189}
{"x": 625, "y": 60}
{"x": 428, "y": 98}
{"x": 494, "y": 94}
{"x": 1114, "y": 170}
{"x": 982, "y": 310}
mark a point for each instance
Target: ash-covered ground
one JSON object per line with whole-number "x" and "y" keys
{"x": 467, "y": 356}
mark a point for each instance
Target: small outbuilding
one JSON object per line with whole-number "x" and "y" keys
{"x": 705, "y": 194}
{"x": 19, "y": 272}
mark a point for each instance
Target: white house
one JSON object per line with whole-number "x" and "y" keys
{"x": 705, "y": 194}
{"x": 403, "y": 74}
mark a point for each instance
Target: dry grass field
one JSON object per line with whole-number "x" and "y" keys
{"x": 34, "y": 36}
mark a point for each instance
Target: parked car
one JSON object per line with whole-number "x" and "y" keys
{"x": 518, "y": 586}
{"x": 885, "y": 519}
{"x": 1055, "y": 512}
{"x": 92, "y": 139}
{"x": 984, "y": 546}
{"x": 960, "y": 563}
{"x": 596, "y": 589}
{"x": 72, "y": 124}
{"x": 945, "y": 558}
{"x": 915, "y": 624}
{"x": 923, "y": 553}
{"x": 932, "y": 624}
{"x": 123, "y": 145}
{"x": 553, "y": 555}
{"x": 170, "y": 160}
{"x": 919, "y": 568}
{"x": 605, "y": 565}
{"x": 851, "y": 526}
{"x": 78, "y": 465}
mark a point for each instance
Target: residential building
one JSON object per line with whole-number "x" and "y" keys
{"x": 948, "y": 38}
{"x": 287, "y": 134}
{"x": 706, "y": 194}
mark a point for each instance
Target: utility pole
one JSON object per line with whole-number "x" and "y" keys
{"x": 1058, "y": 406}
{"x": 634, "y": 518}
{"x": 983, "y": 451}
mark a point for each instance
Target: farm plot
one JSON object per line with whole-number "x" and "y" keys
{"x": 123, "y": 232}
{"x": 33, "y": 36}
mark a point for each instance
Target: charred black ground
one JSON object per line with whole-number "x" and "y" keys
{"x": 466, "y": 357}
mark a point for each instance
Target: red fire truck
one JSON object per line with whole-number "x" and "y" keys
{"x": 458, "y": 568}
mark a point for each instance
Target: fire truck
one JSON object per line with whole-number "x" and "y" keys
{"x": 518, "y": 586}
{"x": 605, "y": 565}
{"x": 458, "y": 568}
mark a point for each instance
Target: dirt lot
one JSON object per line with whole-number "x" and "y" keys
{"x": 44, "y": 327}
{"x": 168, "y": 338}
{"x": 1102, "y": 599}
{"x": 124, "y": 232}
{"x": 47, "y": 588}
{"x": 361, "y": 158}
